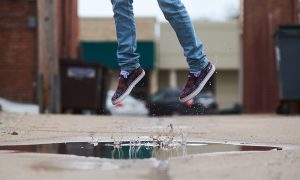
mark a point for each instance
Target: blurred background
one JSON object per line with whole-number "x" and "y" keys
{"x": 60, "y": 57}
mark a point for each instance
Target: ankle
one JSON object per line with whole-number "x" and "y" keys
{"x": 196, "y": 74}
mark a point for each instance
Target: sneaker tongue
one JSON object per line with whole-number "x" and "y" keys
{"x": 196, "y": 74}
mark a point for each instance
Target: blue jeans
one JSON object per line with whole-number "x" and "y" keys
{"x": 175, "y": 12}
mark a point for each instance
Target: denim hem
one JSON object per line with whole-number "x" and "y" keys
{"x": 131, "y": 67}
{"x": 196, "y": 67}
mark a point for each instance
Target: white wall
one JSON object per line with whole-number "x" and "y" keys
{"x": 221, "y": 43}
{"x": 223, "y": 48}
{"x": 103, "y": 29}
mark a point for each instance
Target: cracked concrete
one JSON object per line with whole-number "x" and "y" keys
{"x": 258, "y": 129}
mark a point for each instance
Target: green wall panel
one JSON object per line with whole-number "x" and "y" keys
{"x": 105, "y": 53}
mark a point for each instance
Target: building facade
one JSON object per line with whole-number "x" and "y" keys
{"x": 98, "y": 44}
{"x": 18, "y": 50}
{"x": 260, "y": 21}
{"x": 222, "y": 45}
{"x": 19, "y": 44}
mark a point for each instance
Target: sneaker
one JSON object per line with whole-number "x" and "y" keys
{"x": 196, "y": 83}
{"x": 127, "y": 81}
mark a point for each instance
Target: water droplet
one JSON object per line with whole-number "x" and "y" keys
{"x": 94, "y": 141}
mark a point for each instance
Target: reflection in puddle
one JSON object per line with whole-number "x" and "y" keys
{"x": 137, "y": 150}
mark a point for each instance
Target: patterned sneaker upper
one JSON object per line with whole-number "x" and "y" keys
{"x": 194, "y": 82}
{"x": 125, "y": 80}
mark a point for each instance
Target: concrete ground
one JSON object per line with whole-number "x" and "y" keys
{"x": 248, "y": 129}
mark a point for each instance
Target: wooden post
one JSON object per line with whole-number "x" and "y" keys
{"x": 48, "y": 67}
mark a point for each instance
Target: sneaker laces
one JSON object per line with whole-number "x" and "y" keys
{"x": 125, "y": 74}
{"x": 196, "y": 74}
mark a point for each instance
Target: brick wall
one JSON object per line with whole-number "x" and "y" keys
{"x": 18, "y": 50}
{"x": 260, "y": 20}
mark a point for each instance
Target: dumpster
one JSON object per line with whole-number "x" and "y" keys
{"x": 83, "y": 86}
{"x": 288, "y": 62}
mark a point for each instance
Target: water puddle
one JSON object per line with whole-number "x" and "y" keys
{"x": 170, "y": 142}
{"x": 135, "y": 149}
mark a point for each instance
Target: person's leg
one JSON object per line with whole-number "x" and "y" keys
{"x": 200, "y": 69}
{"x": 177, "y": 15}
{"x": 127, "y": 57}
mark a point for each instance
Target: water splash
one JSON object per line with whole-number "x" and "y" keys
{"x": 94, "y": 140}
{"x": 117, "y": 152}
{"x": 169, "y": 140}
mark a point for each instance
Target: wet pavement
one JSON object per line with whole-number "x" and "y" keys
{"x": 236, "y": 132}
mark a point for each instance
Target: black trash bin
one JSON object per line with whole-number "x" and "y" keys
{"x": 83, "y": 86}
{"x": 288, "y": 63}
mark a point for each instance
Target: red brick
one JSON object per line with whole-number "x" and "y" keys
{"x": 18, "y": 51}
{"x": 18, "y": 45}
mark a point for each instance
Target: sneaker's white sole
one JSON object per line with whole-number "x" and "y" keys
{"x": 128, "y": 91}
{"x": 200, "y": 87}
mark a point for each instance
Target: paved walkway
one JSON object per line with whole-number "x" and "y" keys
{"x": 258, "y": 129}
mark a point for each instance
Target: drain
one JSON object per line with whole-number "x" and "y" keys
{"x": 140, "y": 150}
